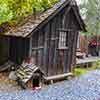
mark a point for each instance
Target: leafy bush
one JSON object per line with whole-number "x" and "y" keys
{"x": 96, "y": 65}
{"x": 80, "y": 71}
{"x": 13, "y": 10}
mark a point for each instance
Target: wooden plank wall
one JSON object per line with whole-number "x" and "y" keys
{"x": 45, "y": 43}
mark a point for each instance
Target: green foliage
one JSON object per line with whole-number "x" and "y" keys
{"x": 90, "y": 9}
{"x": 96, "y": 65}
{"x": 80, "y": 71}
{"x": 47, "y": 3}
{"x": 5, "y": 13}
{"x": 14, "y": 10}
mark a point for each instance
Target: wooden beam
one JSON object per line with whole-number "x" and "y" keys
{"x": 62, "y": 48}
{"x": 66, "y": 30}
{"x": 56, "y": 77}
{"x": 38, "y": 48}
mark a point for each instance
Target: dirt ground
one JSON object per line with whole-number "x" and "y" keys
{"x": 7, "y": 85}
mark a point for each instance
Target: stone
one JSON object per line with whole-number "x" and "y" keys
{"x": 85, "y": 87}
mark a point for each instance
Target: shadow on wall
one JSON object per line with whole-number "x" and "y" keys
{"x": 4, "y": 50}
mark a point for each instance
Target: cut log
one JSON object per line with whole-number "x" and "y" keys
{"x": 56, "y": 77}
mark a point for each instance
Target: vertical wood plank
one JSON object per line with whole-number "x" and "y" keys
{"x": 57, "y": 26}
{"x": 46, "y": 49}
{"x": 74, "y": 51}
{"x": 52, "y": 70}
{"x": 30, "y": 46}
{"x": 68, "y": 43}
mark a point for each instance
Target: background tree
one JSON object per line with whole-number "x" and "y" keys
{"x": 90, "y": 9}
{"x": 13, "y": 10}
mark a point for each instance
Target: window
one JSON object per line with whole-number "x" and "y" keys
{"x": 63, "y": 37}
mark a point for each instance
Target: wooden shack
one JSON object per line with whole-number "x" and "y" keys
{"x": 51, "y": 37}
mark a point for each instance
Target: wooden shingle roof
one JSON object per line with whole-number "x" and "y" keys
{"x": 32, "y": 25}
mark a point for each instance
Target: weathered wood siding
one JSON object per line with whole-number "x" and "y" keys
{"x": 54, "y": 45}
{"x": 52, "y": 42}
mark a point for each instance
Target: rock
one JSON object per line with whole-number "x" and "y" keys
{"x": 86, "y": 87}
